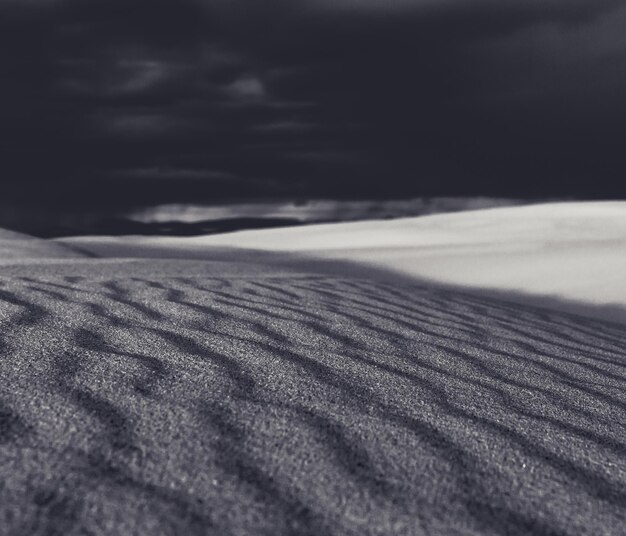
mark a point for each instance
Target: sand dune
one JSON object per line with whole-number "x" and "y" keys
{"x": 18, "y": 247}
{"x": 174, "y": 388}
{"x": 570, "y": 256}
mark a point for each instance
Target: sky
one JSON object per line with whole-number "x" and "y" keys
{"x": 141, "y": 102}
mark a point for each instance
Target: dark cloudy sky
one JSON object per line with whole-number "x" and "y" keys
{"x": 154, "y": 100}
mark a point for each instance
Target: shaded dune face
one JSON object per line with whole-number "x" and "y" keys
{"x": 18, "y": 247}
{"x": 303, "y": 405}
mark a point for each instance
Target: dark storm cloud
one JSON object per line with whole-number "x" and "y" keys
{"x": 170, "y": 100}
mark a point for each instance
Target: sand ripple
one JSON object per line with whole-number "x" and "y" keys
{"x": 303, "y": 405}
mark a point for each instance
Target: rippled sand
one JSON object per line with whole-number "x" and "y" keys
{"x": 179, "y": 397}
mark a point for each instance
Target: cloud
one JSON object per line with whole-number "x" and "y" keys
{"x": 168, "y": 173}
{"x": 119, "y": 74}
{"x": 140, "y": 74}
{"x": 549, "y": 8}
{"x": 30, "y": 3}
{"x": 141, "y": 125}
{"x": 284, "y": 126}
{"x": 441, "y": 96}
{"x": 247, "y": 88}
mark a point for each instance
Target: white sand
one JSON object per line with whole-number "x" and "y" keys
{"x": 570, "y": 251}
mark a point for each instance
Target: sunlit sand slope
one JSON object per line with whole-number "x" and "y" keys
{"x": 301, "y": 404}
{"x": 565, "y": 251}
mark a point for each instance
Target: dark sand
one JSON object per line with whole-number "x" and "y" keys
{"x": 184, "y": 397}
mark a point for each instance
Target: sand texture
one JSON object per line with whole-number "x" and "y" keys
{"x": 189, "y": 398}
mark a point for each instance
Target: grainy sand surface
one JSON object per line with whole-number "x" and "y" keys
{"x": 193, "y": 397}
